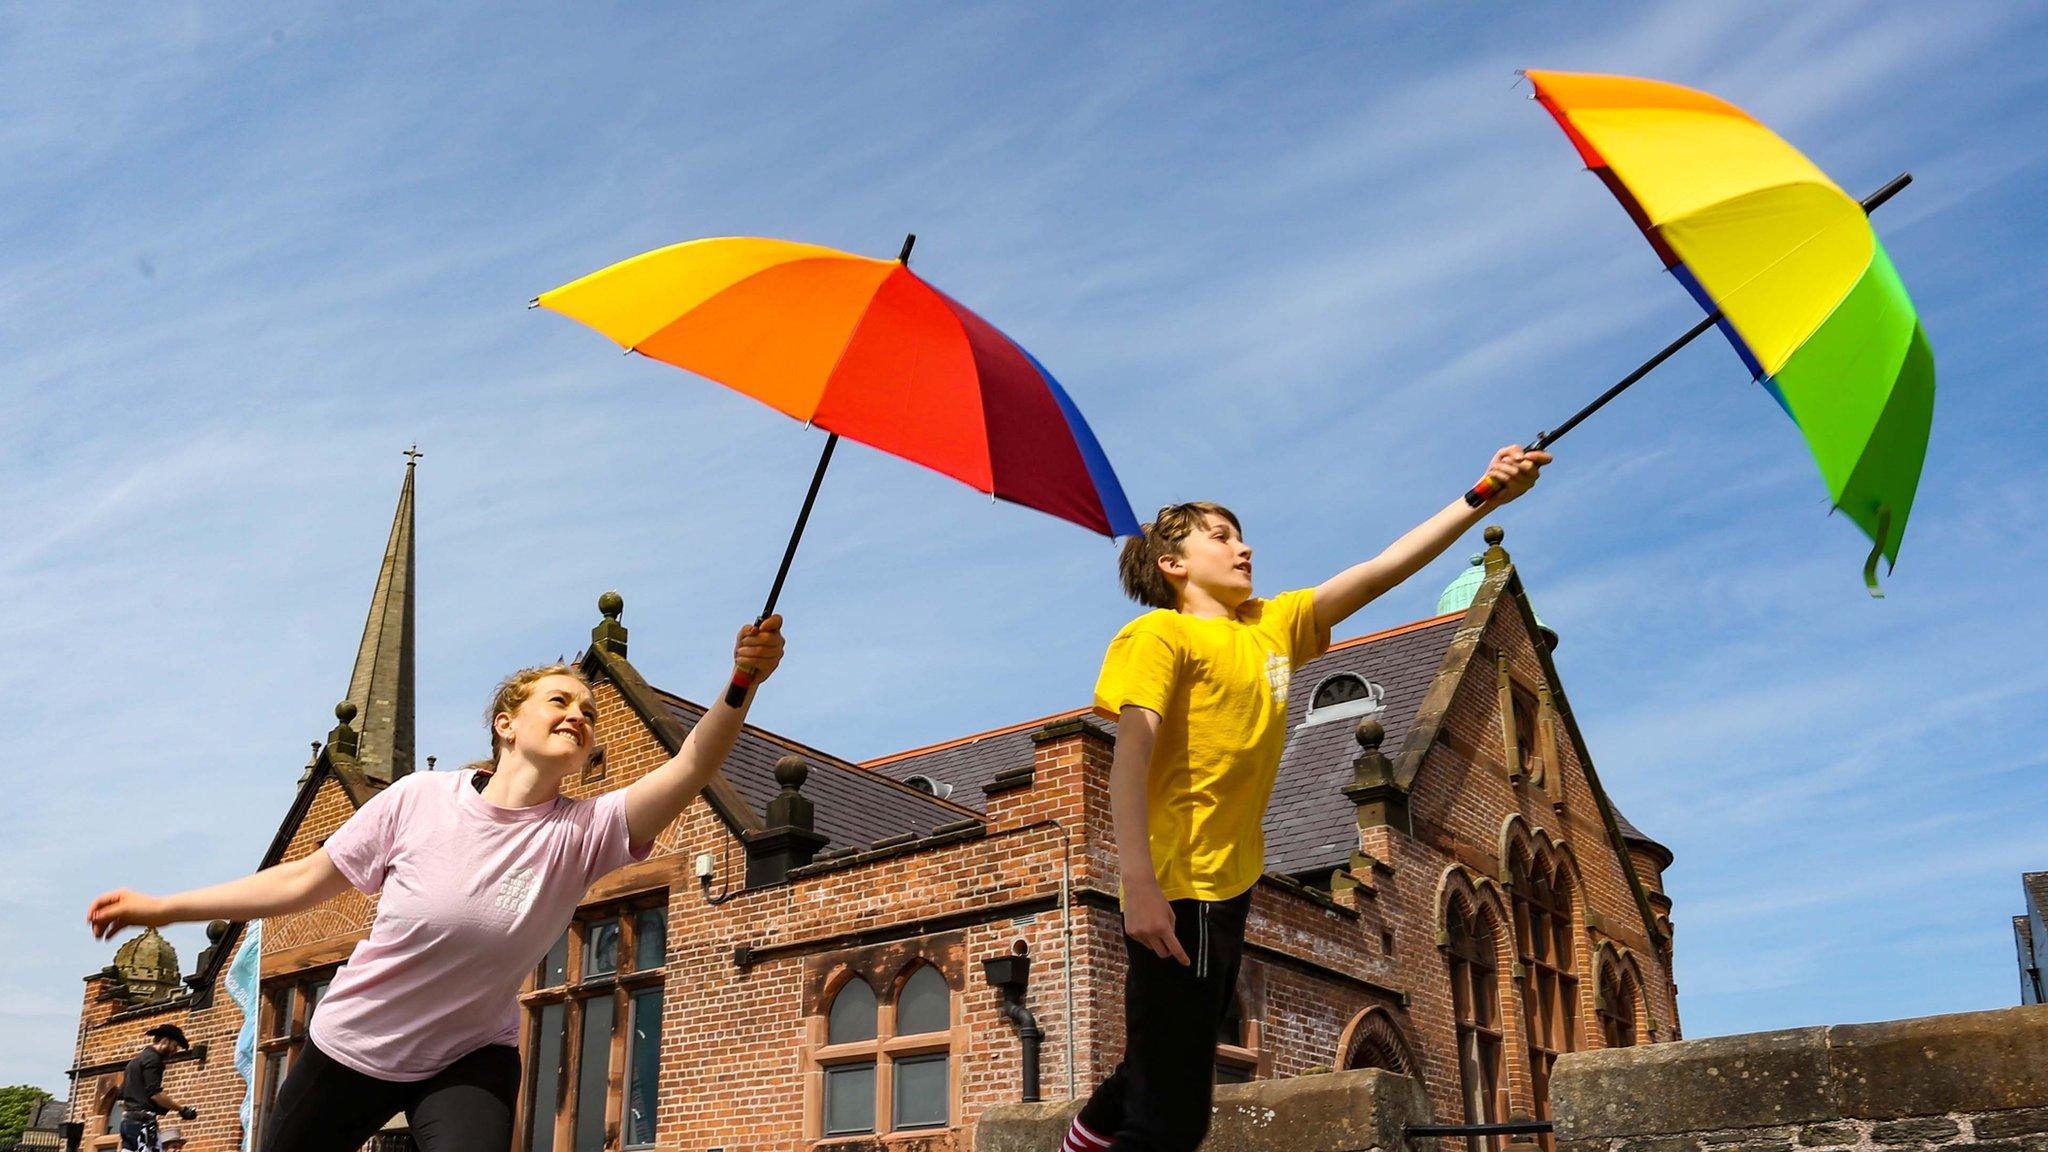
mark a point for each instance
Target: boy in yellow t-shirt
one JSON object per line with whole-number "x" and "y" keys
{"x": 1199, "y": 689}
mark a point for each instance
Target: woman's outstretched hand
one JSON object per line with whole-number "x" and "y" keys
{"x": 759, "y": 647}
{"x": 113, "y": 911}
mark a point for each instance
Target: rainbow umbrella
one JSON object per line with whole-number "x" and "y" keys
{"x": 1786, "y": 264}
{"x": 865, "y": 349}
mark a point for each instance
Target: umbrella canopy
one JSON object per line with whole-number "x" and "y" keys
{"x": 866, "y": 349}
{"x": 1805, "y": 291}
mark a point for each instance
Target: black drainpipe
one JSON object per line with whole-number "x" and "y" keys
{"x": 1012, "y": 974}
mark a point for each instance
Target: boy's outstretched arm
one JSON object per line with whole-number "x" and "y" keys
{"x": 656, "y": 799}
{"x": 1355, "y": 587}
{"x": 1148, "y": 918}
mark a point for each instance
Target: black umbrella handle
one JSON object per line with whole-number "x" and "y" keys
{"x": 743, "y": 674}
{"x": 1488, "y": 487}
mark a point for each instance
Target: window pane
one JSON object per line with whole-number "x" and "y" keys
{"x": 926, "y": 1004}
{"x": 643, "y": 1069}
{"x": 601, "y": 949}
{"x": 650, "y": 938}
{"x": 1461, "y": 991}
{"x": 593, "y": 1072}
{"x": 313, "y": 996}
{"x": 547, "y": 1080}
{"x": 1230, "y": 1029}
{"x": 921, "y": 1091}
{"x": 853, "y": 1014}
{"x": 849, "y": 1098}
{"x": 273, "y": 1076}
{"x": 281, "y": 1011}
{"x": 554, "y": 969}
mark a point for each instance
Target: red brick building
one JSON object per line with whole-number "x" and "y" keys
{"x": 840, "y": 955}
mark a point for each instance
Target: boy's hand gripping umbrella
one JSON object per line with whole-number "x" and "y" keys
{"x": 1786, "y": 263}
{"x": 865, "y": 349}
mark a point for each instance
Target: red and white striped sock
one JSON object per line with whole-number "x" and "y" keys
{"x": 1080, "y": 1138}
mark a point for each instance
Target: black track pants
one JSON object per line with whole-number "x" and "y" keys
{"x": 1158, "y": 1099}
{"x": 328, "y": 1107}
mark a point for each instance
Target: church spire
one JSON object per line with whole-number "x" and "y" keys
{"x": 381, "y": 686}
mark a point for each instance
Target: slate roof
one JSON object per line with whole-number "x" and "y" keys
{"x": 1309, "y": 825}
{"x": 49, "y": 1114}
{"x": 2035, "y": 884}
{"x": 1634, "y": 835}
{"x": 854, "y": 808}
{"x": 968, "y": 764}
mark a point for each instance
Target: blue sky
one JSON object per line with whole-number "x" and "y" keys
{"x": 1315, "y": 264}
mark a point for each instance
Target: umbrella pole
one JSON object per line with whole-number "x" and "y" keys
{"x": 743, "y": 675}
{"x": 1487, "y": 488}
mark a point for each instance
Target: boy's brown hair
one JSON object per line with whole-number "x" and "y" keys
{"x": 1139, "y": 564}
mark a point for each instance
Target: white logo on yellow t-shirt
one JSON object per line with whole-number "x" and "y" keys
{"x": 1278, "y": 675}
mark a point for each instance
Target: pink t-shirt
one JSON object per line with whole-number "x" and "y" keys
{"x": 473, "y": 896}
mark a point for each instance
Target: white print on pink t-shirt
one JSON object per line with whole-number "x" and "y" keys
{"x": 515, "y": 891}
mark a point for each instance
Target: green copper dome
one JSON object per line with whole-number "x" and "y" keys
{"x": 1457, "y": 596}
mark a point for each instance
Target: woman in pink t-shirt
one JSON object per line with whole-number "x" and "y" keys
{"x": 477, "y": 873}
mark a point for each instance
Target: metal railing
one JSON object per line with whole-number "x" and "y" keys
{"x": 1502, "y": 1128}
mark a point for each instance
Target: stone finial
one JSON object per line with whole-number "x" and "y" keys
{"x": 1370, "y": 735}
{"x": 342, "y": 739}
{"x": 1379, "y": 798}
{"x": 610, "y": 636}
{"x": 215, "y": 931}
{"x": 790, "y": 839}
{"x": 791, "y": 808}
{"x": 1496, "y": 556}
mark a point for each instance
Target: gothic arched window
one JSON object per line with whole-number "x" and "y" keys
{"x": 1543, "y": 940}
{"x": 1475, "y": 1005}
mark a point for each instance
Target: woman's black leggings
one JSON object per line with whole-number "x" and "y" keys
{"x": 328, "y": 1107}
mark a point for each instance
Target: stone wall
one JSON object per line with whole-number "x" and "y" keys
{"x": 1361, "y": 1111}
{"x": 1973, "y": 1082}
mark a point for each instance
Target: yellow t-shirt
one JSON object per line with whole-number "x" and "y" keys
{"x": 1220, "y": 689}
